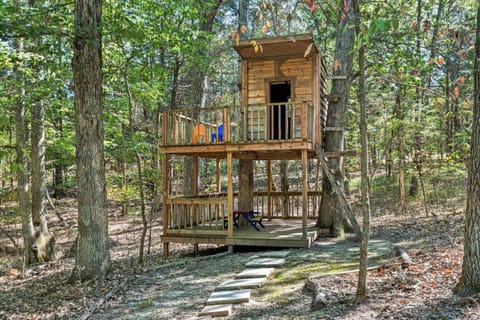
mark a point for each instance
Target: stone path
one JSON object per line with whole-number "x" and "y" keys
{"x": 181, "y": 291}
{"x": 238, "y": 290}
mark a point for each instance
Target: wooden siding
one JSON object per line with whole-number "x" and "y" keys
{"x": 260, "y": 72}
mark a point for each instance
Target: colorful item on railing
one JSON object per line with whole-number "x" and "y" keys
{"x": 199, "y": 135}
{"x": 220, "y": 134}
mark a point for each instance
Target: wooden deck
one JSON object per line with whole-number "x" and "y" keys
{"x": 278, "y": 233}
{"x": 265, "y": 150}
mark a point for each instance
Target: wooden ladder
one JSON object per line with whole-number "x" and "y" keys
{"x": 342, "y": 199}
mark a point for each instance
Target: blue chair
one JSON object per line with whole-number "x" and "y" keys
{"x": 220, "y": 134}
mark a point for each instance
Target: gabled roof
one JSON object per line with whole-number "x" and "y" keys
{"x": 277, "y": 46}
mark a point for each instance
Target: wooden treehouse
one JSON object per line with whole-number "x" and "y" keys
{"x": 282, "y": 116}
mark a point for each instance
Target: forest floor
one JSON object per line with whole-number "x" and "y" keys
{"x": 177, "y": 288}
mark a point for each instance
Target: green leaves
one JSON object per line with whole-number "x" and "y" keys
{"x": 380, "y": 25}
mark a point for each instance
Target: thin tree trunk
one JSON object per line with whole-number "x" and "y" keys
{"x": 401, "y": 154}
{"x": 418, "y": 152}
{"x": 157, "y": 169}
{"x": 470, "y": 280}
{"x": 362, "y": 275}
{"x": 142, "y": 207}
{"x": 92, "y": 255}
{"x": 11, "y": 157}
{"x": 124, "y": 186}
{"x": 59, "y": 191}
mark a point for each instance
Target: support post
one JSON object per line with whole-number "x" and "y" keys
{"x": 165, "y": 206}
{"x": 219, "y": 188}
{"x": 229, "y": 195}
{"x": 195, "y": 176}
{"x": 195, "y": 191}
{"x": 304, "y": 194}
{"x": 269, "y": 189}
{"x": 217, "y": 177}
{"x": 166, "y": 249}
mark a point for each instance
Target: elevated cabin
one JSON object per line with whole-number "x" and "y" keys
{"x": 281, "y": 117}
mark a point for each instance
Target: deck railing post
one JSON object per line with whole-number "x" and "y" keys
{"x": 230, "y": 195}
{"x": 164, "y": 127}
{"x": 226, "y": 125}
{"x": 304, "y": 120}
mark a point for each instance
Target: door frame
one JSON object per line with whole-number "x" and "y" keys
{"x": 268, "y": 84}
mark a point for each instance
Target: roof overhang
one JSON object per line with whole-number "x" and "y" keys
{"x": 278, "y": 46}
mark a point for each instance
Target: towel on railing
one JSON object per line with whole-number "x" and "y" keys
{"x": 199, "y": 134}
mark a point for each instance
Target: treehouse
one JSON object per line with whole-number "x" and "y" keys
{"x": 282, "y": 117}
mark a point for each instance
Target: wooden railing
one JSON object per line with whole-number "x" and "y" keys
{"x": 286, "y": 205}
{"x": 207, "y": 213}
{"x": 197, "y": 215}
{"x": 276, "y": 121}
{"x": 199, "y": 126}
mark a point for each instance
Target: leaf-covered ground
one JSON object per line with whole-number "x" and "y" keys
{"x": 178, "y": 288}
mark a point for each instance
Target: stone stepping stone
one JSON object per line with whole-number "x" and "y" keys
{"x": 275, "y": 254}
{"x": 255, "y": 273}
{"x": 219, "y": 310}
{"x": 241, "y": 284}
{"x": 227, "y": 297}
{"x": 265, "y": 262}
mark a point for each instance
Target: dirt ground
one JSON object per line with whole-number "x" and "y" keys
{"x": 179, "y": 287}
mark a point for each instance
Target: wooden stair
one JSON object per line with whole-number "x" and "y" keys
{"x": 342, "y": 199}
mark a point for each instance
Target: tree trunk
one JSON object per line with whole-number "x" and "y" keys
{"x": 28, "y": 231}
{"x": 362, "y": 275}
{"x": 284, "y": 186}
{"x": 39, "y": 188}
{"x": 142, "y": 207}
{"x": 470, "y": 279}
{"x": 58, "y": 169}
{"x": 157, "y": 177}
{"x": 198, "y": 92}
{"x": 401, "y": 153}
{"x": 245, "y": 182}
{"x": 39, "y": 209}
{"x": 92, "y": 256}
{"x": 330, "y": 215}
{"x": 245, "y": 166}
